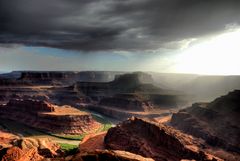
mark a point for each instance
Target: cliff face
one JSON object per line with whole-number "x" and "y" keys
{"x": 48, "y": 77}
{"x": 66, "y": 77}
{"x": 125, "y": 83}
{"x": 45, "y": 116}
{"x": 30, "y": 105}
{"x": 12, "y": 82}
{"x": 132, "y": 80}
{"x": 217, "y": 122}
{"x": 132, "y": 104}
{"x": 131, "y": 92}
{"x": 156, "y": 141}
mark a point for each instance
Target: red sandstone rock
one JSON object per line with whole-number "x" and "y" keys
{"x": 17, "y": 154}
{"x": 6, "y": 139}
{"x": 129, "y": 104}
{"x": 153, "y": 140}
{"x": 217, "y": 122}
{"x": 45, "y": 147}
{"x": 30, "y": 105}
{"x": 92, "y": 142}
{"x": 52, "y": 118}
{"x": 106, "y": 155}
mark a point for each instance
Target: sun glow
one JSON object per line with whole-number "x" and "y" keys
{"x": 219, "y": 55}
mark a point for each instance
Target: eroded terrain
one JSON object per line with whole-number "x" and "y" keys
{"x": 85, "y": 115}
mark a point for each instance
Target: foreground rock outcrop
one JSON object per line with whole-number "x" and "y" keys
{"x": 49, "y": 117}
{"x": 45, "y": 146}
{"x": 155, "y": 141}
{"x": 92, "y": 142}
{"x": 29, "y": 149}
{"x": 216, "y": 122}
{"x": 26, "y": 149}
{"x": 109, "y": 155}
{"x": 17, "y": 154}
{"x": 6, "y": 139}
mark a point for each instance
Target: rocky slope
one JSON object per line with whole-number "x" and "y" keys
{"x": 49, "y": 117}
{"x": 106, "y": 155}
{"x": 216, "y": 122}
{"x": 45, "y": 147}
{"x": 6, "y": 139}
{"x": 17, "y": 154}
{"x": 156, "y": 141}
{"x": 132, "y": 140}
{"x": 26, "y": 149}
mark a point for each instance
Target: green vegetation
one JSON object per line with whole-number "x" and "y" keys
{"x": 19, "y": 128}
{"x": 106, "y": 124}
{"x": 105, "y": 127}
{"x": 69, "y": 137}
{"x": 69, "y": 149}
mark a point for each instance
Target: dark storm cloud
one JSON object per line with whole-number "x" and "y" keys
{"x": 112, "y": 24}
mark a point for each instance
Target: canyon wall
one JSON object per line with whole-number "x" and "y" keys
{"x": 216, "y": 122}
{"x": 48, "y": 117}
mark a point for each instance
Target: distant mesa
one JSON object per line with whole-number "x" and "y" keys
{"x": 138, "y": 83}
{"x": 132, "y": 80}
{"x": 126, "y": 83}
{"x": 127, "y": 95}
{"x": 65, "y": 77}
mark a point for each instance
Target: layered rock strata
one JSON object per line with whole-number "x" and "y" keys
{"x": 216, "y": 122}
{"x": 156, "y": 141}
{"x": 49, "y": 117}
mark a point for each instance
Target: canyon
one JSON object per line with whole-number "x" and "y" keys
{"x": 113, "y": 116}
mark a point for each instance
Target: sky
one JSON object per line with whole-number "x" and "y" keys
{"x": 176, "y": 36}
